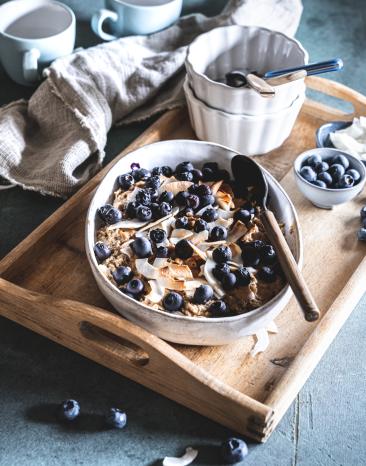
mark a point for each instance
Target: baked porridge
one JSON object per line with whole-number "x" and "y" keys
{"x": 187, "y": 241}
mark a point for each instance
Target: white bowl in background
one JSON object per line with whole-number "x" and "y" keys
{"x": 326, "y": 198}
{"x": 215, "y": 53}
{"x": 250, "y": 135}
{"x": 184, "y": 329}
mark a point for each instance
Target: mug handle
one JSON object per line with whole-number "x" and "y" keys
{"x": 98, "y": 20}
{"x": 30, "y": 65}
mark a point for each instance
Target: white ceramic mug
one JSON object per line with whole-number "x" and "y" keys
{"x": 131, "y": 17}
{"x": 32, "y": 34}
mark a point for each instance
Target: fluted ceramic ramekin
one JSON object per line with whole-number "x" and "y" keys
{"x": 250, "y": 135}
{"x": 224, "y": 49}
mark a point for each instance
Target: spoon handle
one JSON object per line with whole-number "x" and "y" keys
{"x": 289, "y": 267}
{"x": 335, "y": 64}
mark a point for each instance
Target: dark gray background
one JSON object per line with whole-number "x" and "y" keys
{"x": 325, "y": 425}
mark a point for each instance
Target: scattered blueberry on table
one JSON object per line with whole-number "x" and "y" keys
{"x": 116, "y": 418}
{"x": 69, "y": 410}
{"x": 234, "y": 450}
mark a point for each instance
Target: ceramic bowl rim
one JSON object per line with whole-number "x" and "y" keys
{"x": 301, "y": 157}
{"x": 189, "y": 92}
{"x": 219, "y": 85}
{"x": 319, "y": 144}
{"x": 214, "y": 320}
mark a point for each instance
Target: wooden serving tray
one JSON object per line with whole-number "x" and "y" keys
{"x": 47, "y": 286}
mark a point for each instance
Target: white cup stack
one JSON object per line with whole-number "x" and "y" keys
{"x": 239, "y": 117}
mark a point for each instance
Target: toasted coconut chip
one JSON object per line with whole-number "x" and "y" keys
{"x": 161, "y": 220}
{"x": 104, "y": 270}
{"x": 262, "y": 342}
{"x": 145, "y": 269}
{"x": 238, "y": 230}
{"x": 125, "y": 248}
{"x": 160, "y": 262}
{"x": 207, "y": 245}
{"x": 192, "y": 284}
{"x": 272, "y": 327}
{"x": 157, "y": 292}
{"x": 224, "y": 222}
{"x": 180, "y": 271}
{"x": 224, "y": 200}
{"x": 216, "y": 186}
{"x": 176, "y": 187}
{"x": 171, "y": 283}
{"x": 181, "y": 233}
{"x": 226, "y": 213}
{"x": 142, "y": 234}
{"x": 199, "y": 237}
{"x": 198, "y": 251}
{"x": 236, "y": 253}
{"x": 188, "y": 458}
{"x": 208, "y": 268}
{"x": 127, "y": 225}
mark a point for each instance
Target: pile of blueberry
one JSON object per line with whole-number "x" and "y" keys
{"x": 332, "y": 173}
{"x": 69, "y": 410}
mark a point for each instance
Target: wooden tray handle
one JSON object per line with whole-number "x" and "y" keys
{"x": 336, "y": 89}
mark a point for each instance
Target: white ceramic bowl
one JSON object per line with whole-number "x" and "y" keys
{"x": 326, "y": 198}
{"x": 181, "y": 329}
{"x": 228, "y": 48}
{"x": 250, "y": 135}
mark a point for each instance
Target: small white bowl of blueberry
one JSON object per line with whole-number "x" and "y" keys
{"x": 328, "y": 177}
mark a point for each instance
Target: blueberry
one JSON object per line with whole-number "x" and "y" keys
{"x": 156, "y": 171}
{"x": 135, "y": 286}
{"x": 197, "y": 175}
{"x": 210, "y": 215}
{"x": 214, "y": 166}
{"x": 363, "y": 223}
{"x": 250, "y": 257}
{"x": 320, "y": 167}
{"x": 154, "y": 194}
{"x": 69, "y": 410}
{"x": 228, "y": 281}
{"x": 354, "y": 173}
{"x": 346, "y": 182}
{"x": 153, "y": 182}
{"x": 141, "y": 174}
{"x": 162, "y": 252}
{"x": 257, "y": 245}
{"x": 181, "y": 197}
{"x": 186, "y": 212}
{"x": 200, "y": 225}
{"x": 203, "y": 294}
{"x": 249, "y": 207}
{"x": 203, "y": 190}
{"x": 130, "y": 295}
{"x": 233, "y": 450}
{"x": 361, "y": 235}
{"x": 193, "y": 188}
{"x": 122, "y": 275}
{"x": 218, "y": 309}
{"x": 313, "y": 160}
{"x": 131, "y": 209}
{"x": 166, "y": 196}
{"x": 206, "y": 200}
{"x": 141, "y": 247}
{"x": 158, "y": 235}
{"x": 326, "y": 178}
{"x": 223, "y": 175}
{"x": 184, "y": 176}
{"x": 182, "y": 222}
{"x": 167, "y": 171}
{"x": 308, "y": 173}
{"x": 101, "y": 251}
{"x": 208, "y": 174}
{"x": 267, "y": 274}
{"x": 340, "y": 159}
{"x": 184, "y": 167}
{"x": 126, "y": 181}
{"x": 116, "y": 418}
{"x": 363, "y": 212}
{"x": 243, "y": 276}
{"x": 243, "y": 215}
{"x": 143, "y": 213}
{"x": 135, "y": 166}
{"x": 235, "y": 79}
{"x": 172, "y": 302}
{"x": 192, "y": 201}
{"x": 183, "y": 249}
{"x": 164, "y": 209}
{"x": 218, "y": 233}
{"x": 220, "y": 270}
{"x": 336, "y": 171}
{"x": 222, "y": 254}
{"x": 154, "y": 206}
{"x": 143, "y": 197}
{"x": 109, "y": 214}
{"x": 268, "y": 255}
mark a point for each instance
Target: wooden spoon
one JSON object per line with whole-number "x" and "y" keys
{"x": 250, "y": 174}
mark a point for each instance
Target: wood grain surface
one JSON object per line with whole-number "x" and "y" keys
{"x": 48, "y": 287}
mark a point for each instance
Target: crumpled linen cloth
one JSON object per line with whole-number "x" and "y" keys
{"x": 54, "y": 142}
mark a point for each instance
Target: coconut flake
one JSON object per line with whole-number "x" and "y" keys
{"x": 145, "y": 269}
{"x": 160, "y": 262}
{"x": 125, "y": 248}
{"x": 226, "y": 213}
{"x": 198, "y": 251}
{"x": 127, "y": 225}
{"x": 104, "y": 270}
{"x": 171, "y": 283}
{"x": 272, "y": 327}
{"x": 161, "y": 220}
{"x": 224, "y": 200}
{"x": 262, "y": 342}
{"x": 238, "y": 230}
{"x": 180, "y": 271}
{"x": 224, "y": 222}
{"x": 189, "y": 456}
{"x": 216, "y": 186}
{"x": 198, "y": 238}
{"x": 211, "y": 280}
{"x": 179, "y": 234}
{"x": 192, "y": 284}
{"x": 210, "y": 244}
{"x": 157, "y": 292}
{"x": 176, "y": 187}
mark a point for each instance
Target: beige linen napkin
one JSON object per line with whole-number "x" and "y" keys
{"x": 55, "y": 142}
